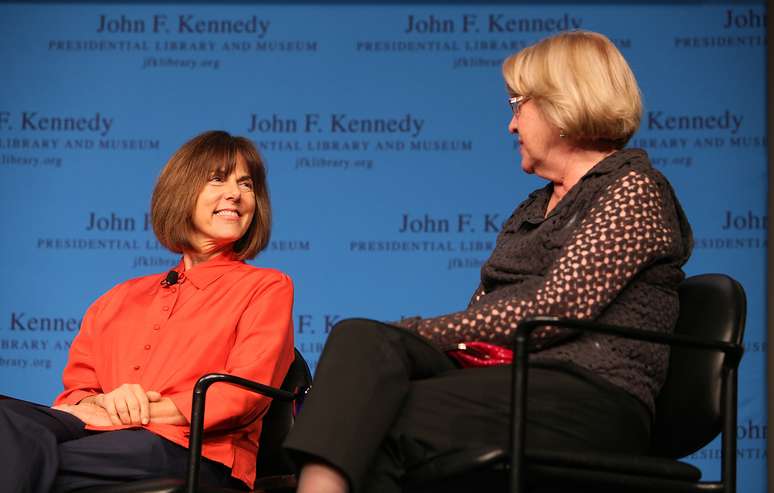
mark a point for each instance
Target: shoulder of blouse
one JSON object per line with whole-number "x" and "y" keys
{"x": 264, "y": 273}
{"x": 261, "y": 280}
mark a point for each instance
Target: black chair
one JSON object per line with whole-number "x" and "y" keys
{"x": 698, "y": 401}
{"x": 275, "y": 472}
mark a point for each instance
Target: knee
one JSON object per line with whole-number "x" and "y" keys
{"x": 355, "y": 329}
{"x": 9, "y": 407}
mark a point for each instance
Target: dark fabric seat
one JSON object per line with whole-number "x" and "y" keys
{"x": 275, "y": 472}
{"x": 697, "y": 402}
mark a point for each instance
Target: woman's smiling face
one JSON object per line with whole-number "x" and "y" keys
{"x": 224, "y": 209}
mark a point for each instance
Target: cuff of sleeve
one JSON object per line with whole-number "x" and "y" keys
{"x": 216, "y": 417}
{"x": 183, "y": 402}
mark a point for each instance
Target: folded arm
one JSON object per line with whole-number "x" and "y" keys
{"x": 623, "y": 232}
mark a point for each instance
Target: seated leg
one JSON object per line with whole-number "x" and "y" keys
{"x": 461, "y": 410}
{"x": 127, "y": 455}
{"x": 29, "y": 437}
{"x": 360, "y": 384}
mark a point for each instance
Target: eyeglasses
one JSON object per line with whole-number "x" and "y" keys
{"x": 516, "y": 103}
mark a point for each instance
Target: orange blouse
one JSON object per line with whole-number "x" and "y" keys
{"x": 225, "y": 316}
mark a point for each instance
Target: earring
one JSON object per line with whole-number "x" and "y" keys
{"x": 562, "y": 134}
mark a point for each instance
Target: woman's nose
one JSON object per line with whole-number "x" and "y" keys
{"x": 232, "y": 190}
{"x": 513, "y": 125}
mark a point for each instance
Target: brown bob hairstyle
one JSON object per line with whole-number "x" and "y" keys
{"x": 184, "y": 177}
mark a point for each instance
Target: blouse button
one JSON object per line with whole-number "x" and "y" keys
{"x": 165, "y": 308}
{"x": 137, "y": 367}
{"x": 156, "y": 326}
{"x": 174, "y": 289}
{"x": 147, "y": 346}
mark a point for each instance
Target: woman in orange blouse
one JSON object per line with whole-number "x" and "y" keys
{"x": 125, "y": 409}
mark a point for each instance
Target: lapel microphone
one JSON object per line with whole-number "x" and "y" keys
{"x": 173, "y": 277}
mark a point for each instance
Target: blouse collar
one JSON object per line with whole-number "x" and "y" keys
{"x": 205, "y": 273}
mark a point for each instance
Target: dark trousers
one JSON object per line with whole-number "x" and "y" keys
{"x": 384, "y": 400}
{"x": 43, "y": 449}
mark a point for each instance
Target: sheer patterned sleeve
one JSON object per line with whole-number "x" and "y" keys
{"x": 626, "y": 228}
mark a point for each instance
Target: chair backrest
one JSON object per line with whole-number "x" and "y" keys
{"x": 278, "y": 420}
{"x": 689, "y": 407}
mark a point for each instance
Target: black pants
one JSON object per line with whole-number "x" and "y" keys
{"x": 384, "y": 400}
{"x": 43, "y": 449}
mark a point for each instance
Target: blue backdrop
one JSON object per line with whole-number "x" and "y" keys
{"x": 384, "y": 130}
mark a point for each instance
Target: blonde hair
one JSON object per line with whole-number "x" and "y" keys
{"x": 582, "y": 84}
{"x": 183, "y": 178}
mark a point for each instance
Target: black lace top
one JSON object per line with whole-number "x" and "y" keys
{"x": 611, "y": 250}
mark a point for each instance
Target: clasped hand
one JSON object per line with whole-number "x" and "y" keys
{"x": 128, "y": 404}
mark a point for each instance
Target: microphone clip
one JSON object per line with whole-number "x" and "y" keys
{"x": 173, "y": 277}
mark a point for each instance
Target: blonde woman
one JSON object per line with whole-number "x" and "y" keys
{"x": 604, "y": 240}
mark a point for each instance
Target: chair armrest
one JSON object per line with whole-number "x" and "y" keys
{"x": 197, "y": 414}
{"x": 732, "y": 351}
